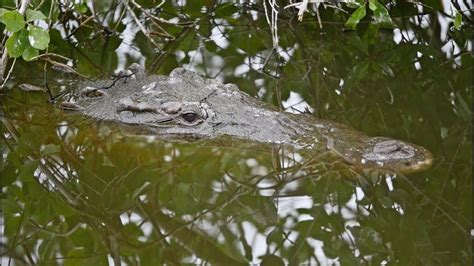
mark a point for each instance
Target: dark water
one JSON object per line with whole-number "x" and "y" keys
{"x": 77, "y": 192}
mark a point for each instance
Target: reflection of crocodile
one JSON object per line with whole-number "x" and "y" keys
{"x": 189, "y": 105}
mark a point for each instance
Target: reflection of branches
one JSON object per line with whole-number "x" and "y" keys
{"x": 161, "y": 20}
{"x": 199, "y": 244}
{"x": 316, "y": 167}
{"x": 438, "y": 207}
{"x": 169, "y": 48}
{"x": 139, "y": 24}
{"x": 51, "y": 177}
{"x": 54, "y": 233}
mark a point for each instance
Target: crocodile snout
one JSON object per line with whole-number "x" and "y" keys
{"x": 396, "y": 154}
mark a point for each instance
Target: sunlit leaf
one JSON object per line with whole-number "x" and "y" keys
{"x": 372, "y": 5}
{"x": 381, "y": 15}
{"x": 81, "y": 8}
{"x": 13, "y": 21}
{"x": 38, "y": 37}
{"x": 354, "y": 3}
{"x": 32, "y": 15}
{"x": 458, "y": 20}
{"x": 354, "y": 19}
{"x": 17, "y": 43}
{"x": 2, "y": 11}
{"x": 29, "y": 53}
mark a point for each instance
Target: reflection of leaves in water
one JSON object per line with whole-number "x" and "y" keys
{"x": 195, "y": 193}
{"x": 107, "y": 176}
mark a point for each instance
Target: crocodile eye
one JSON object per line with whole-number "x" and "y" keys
{"x": 189, "y": 117}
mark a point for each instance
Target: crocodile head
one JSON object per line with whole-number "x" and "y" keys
{"x": 186, "y": 104}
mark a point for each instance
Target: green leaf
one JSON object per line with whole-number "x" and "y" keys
{"x": 39, "y": 37}
{"x": 381, "y": 15}
{"x": 354, "y": 19}
{"x": 49, "y": 149}
{"x": 17, "y": 43}
{"x": 32, "y": 15}
{"x": 8, "y": 173}
{"x": 11, "y": 225}
{"x": 271, "y": 259}
{"x": 369, "y": 240}
{"x": 28, "y": 170}
{"x": 81, "y": 8}
{"x": 76, "y": 257}
{"x": 2, "y": 11}
{"x": 60, "y": 207}
{"x": 83, "y": 238}
{"x": 29, "y": 53}
{"x": 226, "y": 10}
{"x": 354, "y": 3}
{"x": 13, "y": 21}
{"x": 372, "y": 5}
{"x": 457, "y": 20}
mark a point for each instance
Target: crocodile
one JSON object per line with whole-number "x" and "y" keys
{"x": 187, "y": 104}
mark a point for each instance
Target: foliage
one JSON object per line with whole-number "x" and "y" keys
{"x": 26, "y": 39}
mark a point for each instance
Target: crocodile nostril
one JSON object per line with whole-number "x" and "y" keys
{"x": 389, "y": 150}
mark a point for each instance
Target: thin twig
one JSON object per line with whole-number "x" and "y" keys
{"x": 148, "y": 14}
{"x": 139, "y": 24}
{"x": 9, "y": 73}
{"x": 53, "y": 62}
